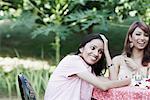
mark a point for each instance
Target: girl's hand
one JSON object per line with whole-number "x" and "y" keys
{"x": 130, "y": 63}
{"x": 105, "y": 43}
{"x": 127, "y": 81}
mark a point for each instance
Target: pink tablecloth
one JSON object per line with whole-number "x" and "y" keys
{"x": 124, "y": 93}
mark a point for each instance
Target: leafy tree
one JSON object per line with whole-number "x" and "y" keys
{"x": 131, "y": 8}
{"x": 60, "y": 17}
{"x": 50, "y": 17}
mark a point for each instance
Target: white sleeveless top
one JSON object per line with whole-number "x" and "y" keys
{"x": 127, "y": 72}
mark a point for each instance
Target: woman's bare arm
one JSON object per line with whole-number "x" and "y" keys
{"x": 106, "y": 51}
{"x": 108, "y": 57}
{"x": 100, "y": 83}
{"x": 114, "y": 70}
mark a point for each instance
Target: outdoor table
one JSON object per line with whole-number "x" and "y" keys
{"x": 123, "y": 93}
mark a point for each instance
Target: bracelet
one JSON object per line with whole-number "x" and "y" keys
{"x": 110, "y": 65}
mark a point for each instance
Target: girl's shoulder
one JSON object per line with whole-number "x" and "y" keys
{"x": 119, "y": 59}
{"x": 72, "y": 59}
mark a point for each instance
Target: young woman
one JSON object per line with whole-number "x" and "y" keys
{"x": 135, "y": 58}
{"x": 75, "y": 75}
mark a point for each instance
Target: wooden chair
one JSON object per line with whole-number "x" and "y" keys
{"x": 26, "y": 90}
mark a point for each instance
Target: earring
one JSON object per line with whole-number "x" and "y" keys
{"x": 131, "y": 45}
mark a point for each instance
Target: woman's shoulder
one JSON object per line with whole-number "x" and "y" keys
{"x": 118, "y": 57}
{"x": 71, "y": 58}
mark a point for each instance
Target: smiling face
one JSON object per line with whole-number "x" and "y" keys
{"x": 139, "y": 39}
{"x": 92, "y": 51}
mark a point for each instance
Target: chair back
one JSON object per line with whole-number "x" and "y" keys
{"x": 26, "y": 90}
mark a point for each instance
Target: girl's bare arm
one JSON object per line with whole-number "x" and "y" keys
{"x": 102, "y": 84}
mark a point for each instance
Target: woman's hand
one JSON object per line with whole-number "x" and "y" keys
{"x": 127, "y": 81}
{"x": 105, "y": 43}
{"x": 130, "y": 63}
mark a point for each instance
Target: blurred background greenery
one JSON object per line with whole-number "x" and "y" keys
{"x": 47, "y": 30}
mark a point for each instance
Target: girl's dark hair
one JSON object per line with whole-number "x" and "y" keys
{"x": 128, "y": 50}
{"x": 100, "y": 65}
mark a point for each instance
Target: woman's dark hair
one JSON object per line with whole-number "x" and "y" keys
{"x": 100, "y": 65}
{"x": 128, "y": 50}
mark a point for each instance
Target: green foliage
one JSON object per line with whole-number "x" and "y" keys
{"x": 26, "y": 19}
{"x": 127, "y": 8}
{"x": 86, "y": 19}
{"x": 61, "y": 17}
{"x": 63, "y": 31}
